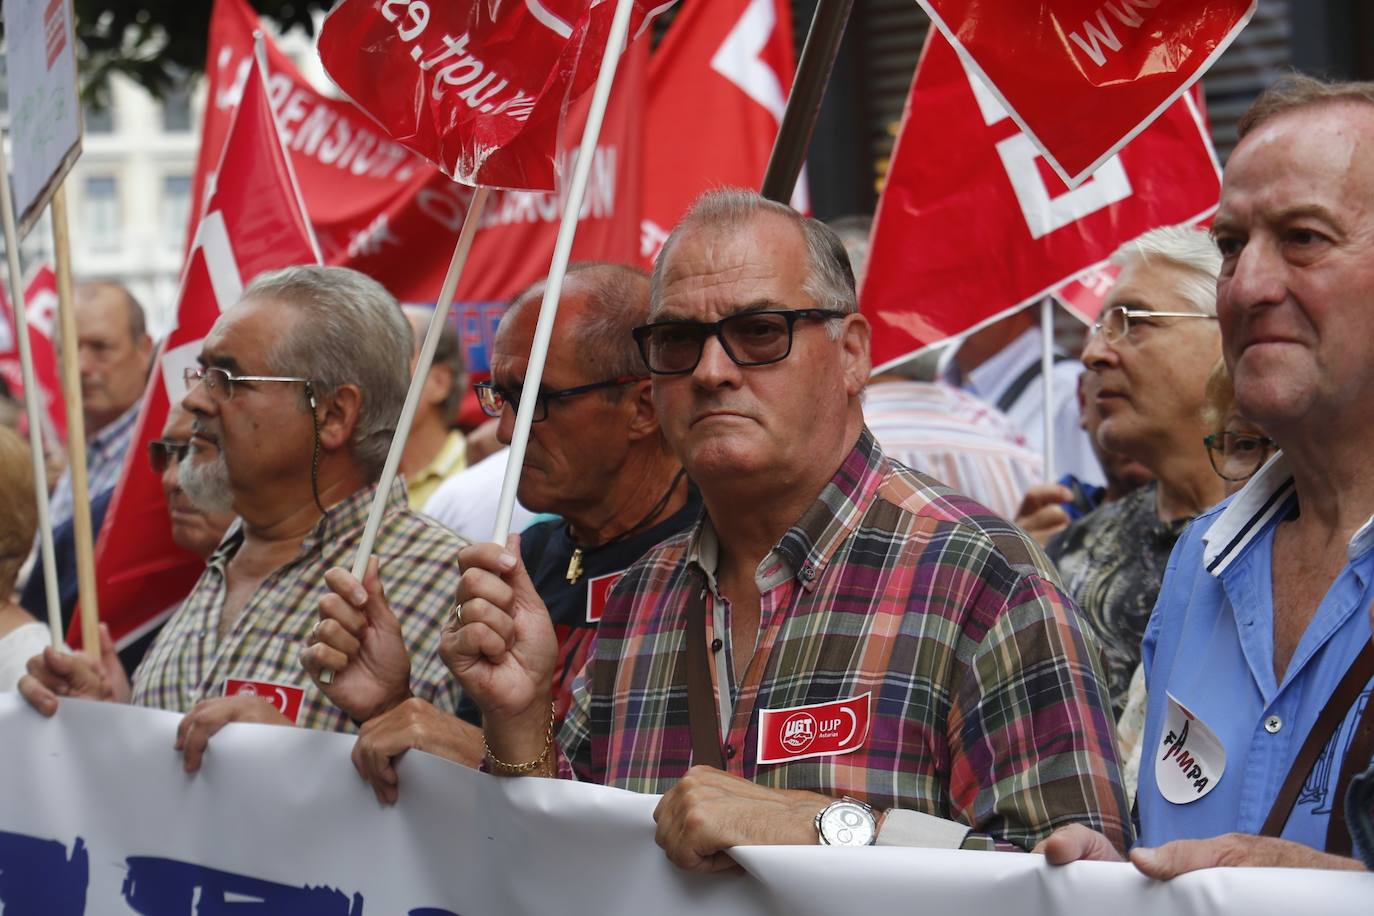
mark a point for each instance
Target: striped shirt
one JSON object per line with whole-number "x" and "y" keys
{"x": 104, "y": 460}
{"x": 419, "y": 567}
{"x": 985, "y": 695}
{"x": 967, "y": 444}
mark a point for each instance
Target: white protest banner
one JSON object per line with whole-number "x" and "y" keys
{"x": 98, "y": 818}
{"x": 45, "y": 117}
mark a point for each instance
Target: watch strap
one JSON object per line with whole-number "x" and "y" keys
{"x": 901, "y": 827}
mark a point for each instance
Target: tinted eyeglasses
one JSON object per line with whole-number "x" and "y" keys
{"x": 162, "y": 452}
{"x": 220, "y": 382}
{"x": 494, "y": 399}
{"x": 1115, "y": 324}
{"x": 748, "y": 338}
{"x": 1237, "y": 456}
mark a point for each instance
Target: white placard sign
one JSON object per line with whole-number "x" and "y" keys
{"x": 97, "y": 817}
{"x": 45, "y": 110}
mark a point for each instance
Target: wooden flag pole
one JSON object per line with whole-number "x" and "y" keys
{"x": 562, "y": 252}
{"x": 37, "y": 413}
{"x": 804, "y": 101}
{"x": 76, "y": 428}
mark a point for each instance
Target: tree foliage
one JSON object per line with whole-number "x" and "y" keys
{"x": 159, "y": 44}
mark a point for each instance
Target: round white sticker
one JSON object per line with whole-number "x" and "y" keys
{"x": 1189, "y": 760}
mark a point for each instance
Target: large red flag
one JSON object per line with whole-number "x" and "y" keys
{"x": 973, "y": 224}
{"x": 477, "y": 87}
{"x": 717, "y": 88}
{"x": 252, "y": 222}
{"x": 40, "y": 300}
{"x": 1082, "y": 77}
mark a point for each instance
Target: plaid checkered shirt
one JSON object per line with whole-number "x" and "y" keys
{"x": 104, "y": 460}
{"x": 419, "y": 566}
{"x": 986, "y": 696}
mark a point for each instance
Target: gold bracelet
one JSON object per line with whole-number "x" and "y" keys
{"x": 499, "y": 767}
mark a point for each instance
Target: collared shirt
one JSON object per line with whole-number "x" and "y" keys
{"x": 104, "y": 460}
{"x": 983, "y": 694}
{"x": 1210, "y": 645}
{"x": 452, "y": 458}
{"x": 954, "y": 437}
{"x": 189, "y": 661}
{"x": 1073, "y": 452}
{"x": 1112, "y": 561}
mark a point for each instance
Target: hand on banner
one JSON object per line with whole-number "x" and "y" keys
{"x": 207, "y": 717}
{"x": 709, "y": 811}
{"x": 1041, "y": 514}
{"x": 1075, "y": 843}
{"x": 359, "y": 639}
{"x": 57, "y": 673}
{"x": 1234, "y": 850}
{"x": 414, "y": 725}
{"x": 502, "y": 648}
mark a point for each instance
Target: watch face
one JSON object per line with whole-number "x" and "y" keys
{"x": 848, "y": 824}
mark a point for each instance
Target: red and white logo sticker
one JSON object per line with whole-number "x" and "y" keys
{"x": 598, "y": 590}
{"x": 285, "y": 699}
{"x": 818, "y": 730}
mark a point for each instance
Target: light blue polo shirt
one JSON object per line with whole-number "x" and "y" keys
{"x": 1210, "y": 644}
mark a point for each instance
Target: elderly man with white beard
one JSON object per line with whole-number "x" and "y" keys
{"x": 295, "y": 402}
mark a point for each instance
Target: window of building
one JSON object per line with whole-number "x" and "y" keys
{"x": 99, "y": 118}
{"x": 100, "y": 212}
{"x": 176, "y": 111}
{"x": 176, "y": 209}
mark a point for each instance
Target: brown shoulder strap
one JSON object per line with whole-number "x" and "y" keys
{"x": 701, "y": 705}
{"x": 1357, "y": 759}
{"x": 1342, "y": 698}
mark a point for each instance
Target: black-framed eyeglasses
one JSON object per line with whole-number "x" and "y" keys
{"x": 1237, "y": 456}
{"x": 493, "y": 399}
{"x": 1115, "y": 324}
{"x": 162, "y": 452}
{"x": 220, "y": 382}
{"x": 748, "y": 338}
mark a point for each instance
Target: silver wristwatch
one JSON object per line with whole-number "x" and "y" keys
{"x": 847, "y": 822}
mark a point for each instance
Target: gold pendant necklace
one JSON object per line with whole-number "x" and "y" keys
{"x": 575, "y": 566}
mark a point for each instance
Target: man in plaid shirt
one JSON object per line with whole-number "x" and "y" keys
{"x": 295, "y": 401}
{"x": 859, "y": 629}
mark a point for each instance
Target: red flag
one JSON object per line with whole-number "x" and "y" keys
{"x": 478, "y": 88}
{"x": 727, "y": 64}
{"x": 252, "y": 222}
{"x": 40, "y": 299}
{"x": 973, "y": 224}
{"x": 1083, "y": 77}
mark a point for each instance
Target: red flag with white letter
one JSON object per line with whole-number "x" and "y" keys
{"x": 40, "y": 300}
{"x": 478, "y": 87}
{"x": 727, "y": 64}
{"x": 1082, "y": 77}
{"x": 973, "y": 224}
{"x": 252, "y": 222}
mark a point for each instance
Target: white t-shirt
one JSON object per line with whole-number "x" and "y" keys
{"x": 467, "y": 501}
{"x": 16, "y": 648}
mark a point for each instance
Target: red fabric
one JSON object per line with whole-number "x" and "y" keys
{"x": 974, "y": 224}
{"x": 40, "y": 299}
{"x": 717, "y": 87}
{"x": 252, "y": 223}
{"x": 1084, "y": 76}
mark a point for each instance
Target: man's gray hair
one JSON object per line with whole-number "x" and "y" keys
{"x": 1296, "y": 92}
{"x": 352, "y": 331}
{"x": 1187, "y": 248}
{"x": 830, "y": 279}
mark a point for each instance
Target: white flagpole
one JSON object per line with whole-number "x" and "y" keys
{"x": 562, "y": 251}
{"x": 417, "y": 381}
{"x": 1047, "y": 379}
{"x": 37, "y": 413}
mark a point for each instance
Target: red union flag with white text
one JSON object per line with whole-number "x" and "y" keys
{"x": 1082, "y": 77}
{"x": 40, "y": 299}
{"x": 723, "y": 70}
{"x": 478, "y": 87}
{"x": 252, "y": 222}
{"x": 973, "y": 224}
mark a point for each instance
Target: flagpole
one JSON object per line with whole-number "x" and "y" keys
{"x": 804, "y": 101}
{"x": 76, "y": 429}
{"x": 417, "y": 381}
{"x": 36, "y": 412}
{"x": 562, "y": 251}
{"x": 1047, "y": 380}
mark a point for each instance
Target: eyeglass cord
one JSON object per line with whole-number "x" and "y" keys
{"x": 315, "y": 456}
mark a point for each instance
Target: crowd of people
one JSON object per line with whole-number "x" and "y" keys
{"x": 802, "y": 602}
